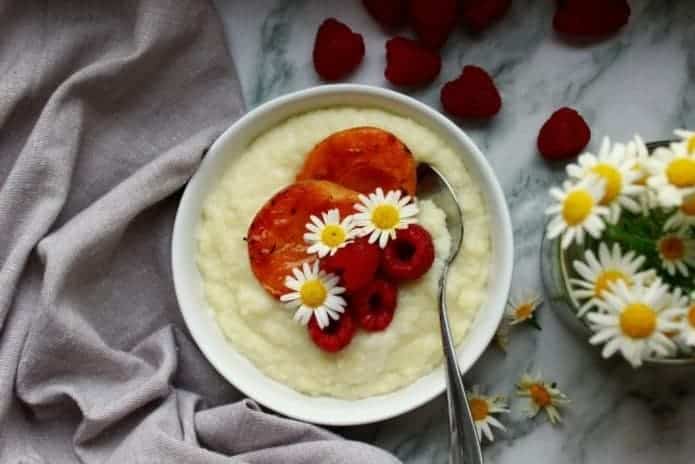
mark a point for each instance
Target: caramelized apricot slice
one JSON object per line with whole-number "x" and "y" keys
{"x": 362, "y": 159}
{"x": 276, "y": 235}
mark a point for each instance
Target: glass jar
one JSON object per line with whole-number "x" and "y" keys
{"x": 556, "y": 272}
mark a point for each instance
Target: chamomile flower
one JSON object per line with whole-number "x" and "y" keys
{"x": 684, "y": 336}
{"x": 672, "y": 174}
{"x": 617, "y": 171}
{"x": 637, "y": 150}
{"x": 684, "y": 216}
{"x": 635, "y": 321}
{"x": 328, "y": 234}
{"x": 542, "y": 396}
{"x": 686, "y": 333}
{"x": 686, "y": 144}
{"x": 677, "y": 252}
{"x": 577, "y": 211}
{"x": 482, "y": 409}
{"x": 523, "y": 309}
{"x": 598, "y": 272}
{"x": 379, "y": 216}
{"x": 314, "y": 293}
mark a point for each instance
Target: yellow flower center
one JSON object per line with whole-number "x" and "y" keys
{"x": 606, "y": 278}
{"x": 613, "y": 179}
{"x": 638, "y": 320}
{"x": 688, "y": 206}
{"x": 672, "y": 248}
{"x": 523, "y": 311}
{"x": 681, "y": 172}
{"x": 313, "y": 293}
{"x": 577, "y": 207}
{"x": 479, "y": 409}
{"x": 540, "y": 395}
{"x": 333, "y": 235}
{"x": 385, "y": 216}
{"x": 691, "y": 144}
{"x": 691, "y": 316}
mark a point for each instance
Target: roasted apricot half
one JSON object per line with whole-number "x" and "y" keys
{"x": 362, "y": 159}
{"x": 276, "y": 235}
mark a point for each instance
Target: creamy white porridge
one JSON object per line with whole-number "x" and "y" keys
{"x": 261, "y": 328}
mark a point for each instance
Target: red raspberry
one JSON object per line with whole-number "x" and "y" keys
{"x": 410, "y": 255}
{"x": 375, "y": 304}
{"x": 480, "y": 14}
{"x": 472, "y": 95}
{"x": 564, "y": 135}
{"x": 388, "y": 13}
{"x": 356, "y": 264}
{"x": 409, "y": 63}
{"x": 433, "y": 20}
{"x": 336, "y": 336}
{"x": 590, "y": 18}
{"x": 337, "y": 50}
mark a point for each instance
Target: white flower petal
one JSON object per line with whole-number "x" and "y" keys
{"x": 289, "y": 296}
{"x": 383, "y": 240}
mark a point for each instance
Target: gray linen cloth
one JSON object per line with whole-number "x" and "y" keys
{"x": 106, "y": 108}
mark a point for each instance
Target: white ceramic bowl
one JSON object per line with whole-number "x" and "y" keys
{"x": 240, "y": 371}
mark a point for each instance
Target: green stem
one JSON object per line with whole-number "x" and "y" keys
{"x": 631, "y": 241}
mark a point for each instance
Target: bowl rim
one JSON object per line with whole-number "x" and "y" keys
{"x": 473, "y": 345}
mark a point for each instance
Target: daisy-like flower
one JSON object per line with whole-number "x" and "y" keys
{"x": 577, "y": 211}
{"x": 482, "y": 409}
{"x": 379, "y": 216}
{"x": 684, "y": 216}
{"x": 523, "y": 309}
{"x": 686, "y": 327}
{"x": 616, "y": 169}
{"x": 328, "y": 234}
{"x": 597, "y": 273}
{"x": 542, "y": 396}
{"x": 314, "y": 293}
{"x": 635, "y": 322}
{"x": 672, "y": 173}
{"x": 686, "y": 143}
{"x": 686, "y": 333}
{"x": 677, "y": 252}
{"x": 637, "y": 150}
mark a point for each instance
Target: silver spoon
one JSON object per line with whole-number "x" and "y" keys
{"x": 463, "y": 439}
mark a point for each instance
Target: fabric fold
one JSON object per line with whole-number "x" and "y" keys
{"x": 106, "y": 109}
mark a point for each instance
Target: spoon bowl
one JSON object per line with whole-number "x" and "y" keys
{"x": 432, "y": 185}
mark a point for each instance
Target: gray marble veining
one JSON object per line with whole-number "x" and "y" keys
{"x": 639, "y": 81}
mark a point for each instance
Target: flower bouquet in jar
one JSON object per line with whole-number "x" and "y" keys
{"x": 623, "y": 224}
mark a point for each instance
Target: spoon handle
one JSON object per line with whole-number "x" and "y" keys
{"x": 463, "y": 440}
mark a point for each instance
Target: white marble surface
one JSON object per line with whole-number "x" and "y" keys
{"x": 639, "y": 81}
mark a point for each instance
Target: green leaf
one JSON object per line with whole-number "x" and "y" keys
{"x": 641, "y": 234}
